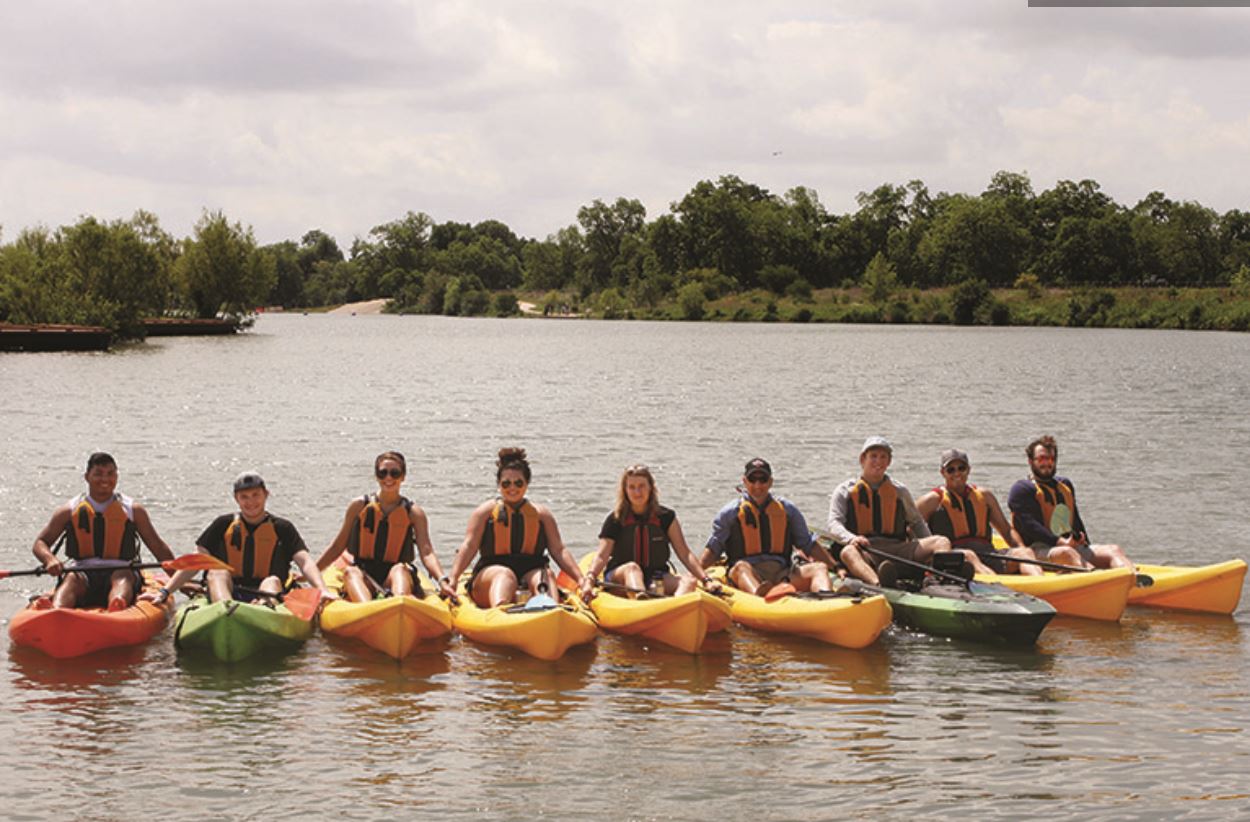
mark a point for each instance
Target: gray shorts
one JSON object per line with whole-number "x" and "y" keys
{"x": 1042, "y": 550}
{"x": 901, "y": 548}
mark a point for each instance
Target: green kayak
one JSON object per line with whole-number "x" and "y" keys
{"x": 236, "y": 630}
{"x": 977, "y": 611}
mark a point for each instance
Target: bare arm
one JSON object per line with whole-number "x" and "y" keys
{"x": 311, "y": 572}
{"x": 678, "y": 540}
{"x": 147, "y": 532}
{"x": 555, "y": 545}
{"x": 472, "y": 540}
{"x": 601, "y": 557}
{"x": 42, "y": 548}
{"x": 928, "y": 503}
{"x": 335, "y": 548}
{"x": 425, "y": 547}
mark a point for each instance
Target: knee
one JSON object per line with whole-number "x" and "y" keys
{"x": 940, "y": 544}
{"x": 629, "y": 568}
{"x": 353, "y": 574}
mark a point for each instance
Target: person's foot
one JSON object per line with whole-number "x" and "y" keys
{"x": 887, "y": 573}
{"x": 118, "y": 604}
{"x": 781, "y": 589}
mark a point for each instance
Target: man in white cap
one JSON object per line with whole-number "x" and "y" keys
{"x": 965, "y": 514}
{"x": 872, "y": 511}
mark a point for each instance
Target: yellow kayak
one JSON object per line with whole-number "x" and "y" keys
{"x": 678, "y": 621}
{"x": 846, "y": 621}
{"x": 394, "y": 625}
{"x": 545, "y": 633}
{"x": 1213, "y": 589}
{"x": 1093, "y": 595}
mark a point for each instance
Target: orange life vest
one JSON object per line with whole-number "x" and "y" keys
{"x": 1050, "y": 497}
{"x": 963, "y": 519}
{"x": 108, "y": 534}
{"x": 759, "y": 531}
{"x": 250, "y": 549}
{"x": 876, "y": 512}
{"x": 513, "y": 537}
{"x": 387, "y": 537}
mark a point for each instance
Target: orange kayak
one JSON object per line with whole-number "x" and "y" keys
{"x": 70, "y": 632}
{"x": 1212, "y": 589}
{"x": 1093, "y": 595}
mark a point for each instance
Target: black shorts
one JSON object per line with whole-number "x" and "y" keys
{"x": 99, "y": 583}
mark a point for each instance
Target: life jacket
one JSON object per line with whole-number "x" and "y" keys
{"x": 108, "y": 534}
{"x": 513, "y": 537}
{"x": 641, "y": 540}
{"x": 876, "y": 512}
{"x": 251, "y": 550}
{"x": 759, "y": 531}
{"x": 1049, "y": 497}
{"x": 382, "y": 537}
{"x": 963, "y": 519}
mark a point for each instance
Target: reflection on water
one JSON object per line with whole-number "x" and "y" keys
{"x": 1142, "y": 718}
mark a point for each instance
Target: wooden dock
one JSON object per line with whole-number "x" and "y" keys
{"x": 53, "y": 337}
{"x": 188, "y": 327}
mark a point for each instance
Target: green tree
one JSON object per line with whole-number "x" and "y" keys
{"x": 691, "y": 301}
{"x": 880, "y": 280}
{"x": 222, "y": 270}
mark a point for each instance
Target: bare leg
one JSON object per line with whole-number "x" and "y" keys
{"x": 400, "y": 580}
{"x": 630, "y": 574}
{"x": 1110, "y": 556}
{"x": 220, "y": 586}
{"x": 494, "y": 586}
{"x": 743, "y": 576}
{"x": 685, "y": 584}
{"x": 859, "y": 567}
{"x": 812, "y": 576}
{"x": 121, "y": 590}
{"x": 1026, "y": 568}
{"x": 69, "y": 592}
{"x": 356, "y": 585}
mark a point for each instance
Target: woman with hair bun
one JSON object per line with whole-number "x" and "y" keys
{"x": 380, "y": 532}
{"x": 511, "y": 537}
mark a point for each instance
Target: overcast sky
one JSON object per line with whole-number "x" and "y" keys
{"x": 343, "y": 114}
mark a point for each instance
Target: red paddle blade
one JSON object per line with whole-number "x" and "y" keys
{"x": 302, "y": 602}
{"x": 781, "y": 589}
{"x": 565, "y": 581}
{"x": 195, "y": 562}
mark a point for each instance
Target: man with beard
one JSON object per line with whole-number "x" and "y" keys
{"x": 1044, "y": 513}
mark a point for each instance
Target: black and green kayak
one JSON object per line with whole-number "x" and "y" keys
{"x": 975, "y": 611}
{"x": 236, "y": 630}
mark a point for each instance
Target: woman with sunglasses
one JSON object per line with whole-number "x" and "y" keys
{"x": 511, "y": 537}
{"x": 379, "y": 532}
{"x": 637, "y": 538}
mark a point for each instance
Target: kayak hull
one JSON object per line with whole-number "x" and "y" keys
{"x": 65, "y": 633}
{"x": 1100, "y": 595}
{"x": 978, "y": 612}
{"x": 234, "y": 631}
{"x": 1212, "y": 589}
{"x": 396, "y": 625}
{"x": 845, "y": 621}
{"x": 681, "y": 622}
{"x": 543, "y": 633}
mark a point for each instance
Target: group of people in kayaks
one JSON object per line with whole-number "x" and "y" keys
{"x": 876, "y": 530}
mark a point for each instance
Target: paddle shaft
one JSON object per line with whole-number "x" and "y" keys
{"x": 100, "y": 569}
{"x": 1054, "y": 566}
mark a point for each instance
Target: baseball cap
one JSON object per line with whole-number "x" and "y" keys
{"x": 876, "y": 442}
{"x": 757, "y": 466}
{"x": 953, "y": 454}
{"x": 246, "y": 480}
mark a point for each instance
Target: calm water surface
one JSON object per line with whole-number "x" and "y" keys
{"x": 1141, "y": 719}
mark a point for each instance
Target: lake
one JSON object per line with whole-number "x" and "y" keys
{"x": 1141, "y": 719}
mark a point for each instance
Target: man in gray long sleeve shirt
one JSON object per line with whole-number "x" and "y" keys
{"x": 874, "y": 511}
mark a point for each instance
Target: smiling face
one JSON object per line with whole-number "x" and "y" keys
{"x": 251, "y": 503}
{"x": 390, "y": 475}
{"x": 512, "y": 485}
{"x": 873, "y": 464}
{"x": 1042, "y": 462}
{"x": 956, "y": 473}
{"x": 101, "y": 481}
{"x": 758, "y": 485}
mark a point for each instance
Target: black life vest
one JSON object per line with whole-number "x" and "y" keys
{"x": 642, "y": 540}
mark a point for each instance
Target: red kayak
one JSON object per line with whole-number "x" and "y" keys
{"x": 70, "y": 632}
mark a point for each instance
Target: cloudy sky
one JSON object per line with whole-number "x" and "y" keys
{"x": 343, "y": 114}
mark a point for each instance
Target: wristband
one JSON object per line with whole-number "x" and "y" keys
{"x": 445, "y": 578}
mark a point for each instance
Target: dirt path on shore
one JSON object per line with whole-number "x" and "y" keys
{"x": 366, "y": 307}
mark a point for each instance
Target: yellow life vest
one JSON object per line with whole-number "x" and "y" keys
{"x": 108, "y": 534}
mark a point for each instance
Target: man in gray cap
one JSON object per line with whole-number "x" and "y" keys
{"x": 965, "y": 514}
{"x": 872, "y": 511}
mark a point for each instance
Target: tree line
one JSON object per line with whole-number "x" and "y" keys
{"x": 722, "y": 238}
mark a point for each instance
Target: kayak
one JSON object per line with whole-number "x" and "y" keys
{"x": 682, "y": 622}
{"x": 1213, "y": 589}
{"x": 844, "y": 619}
{"x": 394, "y": 625}
{"x": 70, "y": 632}
{"x": 978, "y": 611}
{"x": 236, "y": 630}
{"x": 679, "y": 621}
{"x": 1093, "y": 594}
{"x": 545, "y": 633}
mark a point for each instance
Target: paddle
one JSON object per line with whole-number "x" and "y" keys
{"x": 301, "y": 602}
{"x": 187, "y": 562}
{"x": 1143, "y": 580}
{"x": 883, "y": 555}
{"x": 540, "y": 601}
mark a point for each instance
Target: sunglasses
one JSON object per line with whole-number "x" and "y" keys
{"x": 757, "y": 478}
{"x": 955, "y": 469}
{"x": 512, "y": 483}
{"x": 393, "y": 473}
